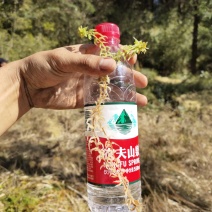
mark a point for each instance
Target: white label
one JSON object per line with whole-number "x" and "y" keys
{"x": 119, "y": 120}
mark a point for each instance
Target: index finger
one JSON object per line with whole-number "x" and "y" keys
{"x": 132, "y": 59}
{"x": 140, "y": 79}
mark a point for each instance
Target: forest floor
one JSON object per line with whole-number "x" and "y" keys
{"x": 43, "y": 165}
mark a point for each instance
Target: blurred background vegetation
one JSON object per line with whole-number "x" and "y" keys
{"x": 178, "y": 32}
{"x": 42, "y": 157}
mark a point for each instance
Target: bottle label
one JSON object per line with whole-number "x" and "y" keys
{"x": 121, "y": 127}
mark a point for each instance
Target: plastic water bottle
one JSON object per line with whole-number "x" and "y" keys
{"x": 120, "y": 123}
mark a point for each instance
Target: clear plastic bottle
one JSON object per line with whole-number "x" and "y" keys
{"x": 120, "y": 122}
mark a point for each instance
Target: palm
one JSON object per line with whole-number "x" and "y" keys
{"x": 57, "y": 87}
{"x": 67, "y": 94}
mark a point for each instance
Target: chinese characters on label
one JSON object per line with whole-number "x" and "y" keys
{"x": 127, "y": 151}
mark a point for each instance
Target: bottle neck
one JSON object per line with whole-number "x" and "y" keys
{"x": 112, "y": 41}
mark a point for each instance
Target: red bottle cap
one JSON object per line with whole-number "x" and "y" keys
{"x": 108, "y": 29}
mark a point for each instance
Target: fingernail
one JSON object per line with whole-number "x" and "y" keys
{"x": 107, "y": 64}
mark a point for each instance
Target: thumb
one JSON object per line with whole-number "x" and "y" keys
{"x": 84, "y": 63}
{"x": 94, "y": 65}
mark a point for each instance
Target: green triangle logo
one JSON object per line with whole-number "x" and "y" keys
{"x": 124, "y": 118}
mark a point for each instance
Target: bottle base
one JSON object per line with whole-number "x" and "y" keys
{"x": 111, "y": 208}
{"x": 111, "y": 199}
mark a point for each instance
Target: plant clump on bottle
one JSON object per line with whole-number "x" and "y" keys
{"x": 106, "y": 151}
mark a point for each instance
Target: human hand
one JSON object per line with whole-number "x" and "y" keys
{"x": 54, "y": 78}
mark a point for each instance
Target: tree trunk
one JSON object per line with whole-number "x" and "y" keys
{"x": 194, "y": 47}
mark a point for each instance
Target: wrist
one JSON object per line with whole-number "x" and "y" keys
{"x": 13, "y": 100}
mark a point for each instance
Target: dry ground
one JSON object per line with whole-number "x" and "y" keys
{"x": 43, "y": 167}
